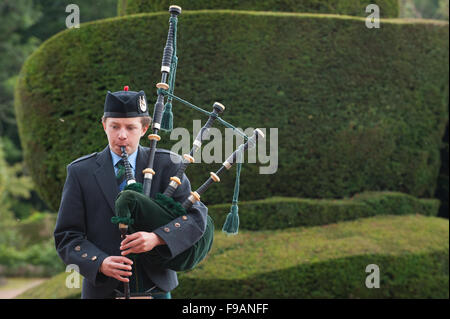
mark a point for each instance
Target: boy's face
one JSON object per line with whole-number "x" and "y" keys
{"x": 124, "y": 132}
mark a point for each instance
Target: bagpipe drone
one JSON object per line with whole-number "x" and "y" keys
{"x": 136, "y": 211}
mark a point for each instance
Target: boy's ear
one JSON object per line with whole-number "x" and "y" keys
{"x": 144, "y": 130}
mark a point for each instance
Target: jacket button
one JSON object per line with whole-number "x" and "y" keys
{"x": 184, "y": 217}
{"x": 166, "y": 229}
{"x": 94, "y": 258}
{"x": 177, "y": 225}
{"x": 77, "y": 248}
{"x": 84, "y": 255}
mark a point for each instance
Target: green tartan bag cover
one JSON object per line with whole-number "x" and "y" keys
{"x": 142, "y": 213}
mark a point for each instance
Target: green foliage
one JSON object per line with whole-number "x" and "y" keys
{"x": 388, "y": 8}
{"x": 13, "y": 185}
{"x": 280, "y": 212}
{"x": 20, "y": 187}
{"x": 3, "y": 175}
{"x": 426, "y": 9}
{"x": 346, "y": 128}
{"x": 315, "y": 262}
{"x": 15, "y": 17}
{"x": 25, "y": 247}
{"x": 53, "y": 18}
{"x": 11, "y": 152}
{"x": 38, "y": 227}
{"x": 35, "y": 261}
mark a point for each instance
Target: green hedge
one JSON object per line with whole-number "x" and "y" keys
{"x": 356, "y": 109}
{"x": 327, "y": 261}
{"x": 401, "y": 277}
{"x": 412, "y": 254}
{"x": 282, "y": 212}
{"x": 388, "y": 8}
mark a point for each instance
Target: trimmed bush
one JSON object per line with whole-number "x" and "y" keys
{"x": 391, "y": 203}
{"x": 327, "y": 261}
{"x": 356, "y": 109}
{"x": 317, "y": 262}
{"x": 408, "y": 276}
{"x": 283, "y": 212}
{"x": 388, "y": 8}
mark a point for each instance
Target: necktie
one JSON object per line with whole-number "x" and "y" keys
{"x": 120, "y": 177}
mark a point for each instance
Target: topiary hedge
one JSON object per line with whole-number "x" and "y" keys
{"x": 388, "y": 8}
{"x": 356, "y": 109}
{"x": 334, "y": 279}
{"x": 317, "y": 262}
{"x": 327, "y": 262}
{"x": 284, "y": 212}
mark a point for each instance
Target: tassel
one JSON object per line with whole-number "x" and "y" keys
{"x": 167, "y": 118}
{"x": 231, "y": 225}
{"x": 122, "y": 220}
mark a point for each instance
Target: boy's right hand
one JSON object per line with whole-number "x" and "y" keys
{"x": 117, "y": 267}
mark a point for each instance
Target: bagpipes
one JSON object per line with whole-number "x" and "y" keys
{"x": 136, "y": 211}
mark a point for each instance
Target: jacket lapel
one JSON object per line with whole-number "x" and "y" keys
{"x": 106, "y": 177}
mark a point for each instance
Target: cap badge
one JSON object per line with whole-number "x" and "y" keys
{"x": 142, "y": 104}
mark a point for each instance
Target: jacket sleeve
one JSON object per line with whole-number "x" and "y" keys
{"x": 70, "y": 232}
{"x": 184, "y": 231}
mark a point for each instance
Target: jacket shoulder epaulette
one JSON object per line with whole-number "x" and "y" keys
{"x": 83, "y": 158}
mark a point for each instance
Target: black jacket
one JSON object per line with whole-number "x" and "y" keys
{"x": 84, "y": 234}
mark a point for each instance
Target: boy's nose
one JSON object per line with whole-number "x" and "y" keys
{"x": 122, "y": 134}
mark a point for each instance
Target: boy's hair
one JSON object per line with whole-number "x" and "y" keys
{"x": 145, "y": 120}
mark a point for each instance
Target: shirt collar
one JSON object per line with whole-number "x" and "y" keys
{"x": 131, "y": 158}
